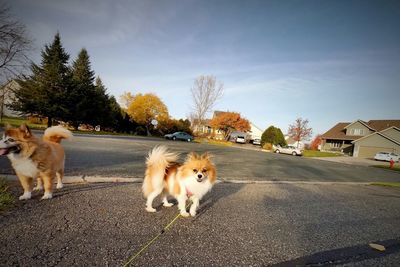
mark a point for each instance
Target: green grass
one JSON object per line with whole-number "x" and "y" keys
{"x": 387, "y": 167}
{"x": 394, "y": 184}
{"x": 6, "y": 198}
{"x": 314, "y": 153}
{"x": 212, "y": 142}
{"x": 18, "y": 121}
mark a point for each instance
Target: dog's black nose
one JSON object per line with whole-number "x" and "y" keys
{"x": 199, "y": 175}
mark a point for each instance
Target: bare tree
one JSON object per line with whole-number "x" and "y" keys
{"x": 14, "y": 49}
{"x": 14, "y": 46}
{"x": 205, "y": 92}
{"x": 299, "y": 130}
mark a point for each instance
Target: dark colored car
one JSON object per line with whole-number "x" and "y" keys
{"x": 179, "y": 136}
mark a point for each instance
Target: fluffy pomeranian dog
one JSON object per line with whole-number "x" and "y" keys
{"x": 190, "y": 180}
{"x": 34, "y": 158}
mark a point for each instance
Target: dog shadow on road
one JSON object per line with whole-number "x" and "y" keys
{"x": 218, "y": 192}
{"x": 77, "y": 188}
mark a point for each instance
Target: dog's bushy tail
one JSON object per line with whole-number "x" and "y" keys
{"x": 157, "y": 162}
{"x": 56, "y": 134}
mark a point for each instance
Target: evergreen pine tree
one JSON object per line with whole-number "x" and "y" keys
{"x": 110, "y": 111}
{"x": 84, "y": 99}
{"x": 45, "y": 91}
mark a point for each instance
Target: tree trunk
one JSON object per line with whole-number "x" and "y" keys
{"x": 49, "y": 122}
{"x": 148, "y": 131}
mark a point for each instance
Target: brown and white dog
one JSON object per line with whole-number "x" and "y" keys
{"x": 34, "y": 158}
{"x": 190, "y": 180}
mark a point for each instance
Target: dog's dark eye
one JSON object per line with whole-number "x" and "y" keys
{"x": 204, "y": 170}
{"x": 194, "y": 170}
{"x": 10, "y": 140}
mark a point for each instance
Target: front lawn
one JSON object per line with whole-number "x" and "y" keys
{"x": 315, "y": 153}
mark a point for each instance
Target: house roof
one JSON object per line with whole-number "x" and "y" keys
{"x": 338, "y": 131}
{"x": 377, "y": 133}
{"x": 363, "y": 123}
{"x": 380, "y": 125}
{"x": 218, "y": 112}
{"x": 393, "y": 127}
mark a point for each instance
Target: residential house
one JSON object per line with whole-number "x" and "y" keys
{"x": 363, "y": 139}
{"x": 6, "y": 98}
{"x": 291, "y": 142}
{"x": 255, "y": 132}
{"x": 204, "y": 129}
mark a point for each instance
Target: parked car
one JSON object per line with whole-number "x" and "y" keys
{"x": 240, "y": 139}
{"x": 179, "y": 136}
{"x": 386, "y": 156}
{"x": 289, "y": 150}
{"x": 257, "y": 142}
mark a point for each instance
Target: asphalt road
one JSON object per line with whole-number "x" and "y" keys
{"x": 238, "y": 225}
{"x": 125, "y": 157}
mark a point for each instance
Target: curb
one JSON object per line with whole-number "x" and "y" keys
{"x": 87, "y": 179}
{"x": 101, "y": 179}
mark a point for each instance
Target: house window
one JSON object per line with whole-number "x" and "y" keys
{"x": 336, "y": 144}
{"x": 357, "y": 131}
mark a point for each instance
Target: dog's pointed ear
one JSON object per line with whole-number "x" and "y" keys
{"x": 192, "y": 156}
{"x": 25, "y": 129}
{"x": 206, "y": 156}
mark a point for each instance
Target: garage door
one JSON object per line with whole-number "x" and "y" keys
{"x": 369, "y": 152}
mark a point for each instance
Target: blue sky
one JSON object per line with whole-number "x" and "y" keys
{"x": 327, "y": 61}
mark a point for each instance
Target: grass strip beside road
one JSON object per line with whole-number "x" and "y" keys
{"x": 394, "y": 184}
{"x": 16, "y": 122}
{"x": 397, "y": 169}
{"x": 212, "y": 142}
{"x": 315, "y": 153}
{"x": 6, "y": 198}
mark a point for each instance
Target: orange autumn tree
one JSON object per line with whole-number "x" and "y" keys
{"x": 229, "y": 122}
{"x": 316, "y": 142}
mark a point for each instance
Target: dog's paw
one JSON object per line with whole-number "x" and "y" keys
{"x": 38, "y": 188}
{"x": 185, "y": 214}
{"x": 47, "y": 196}
{"x": 150, "y": 209}
{"x": 167, "y": 204}
{"x": 26, "y": 196}
{"x": 193, "y": 213}
{"x": 59, "y": 185}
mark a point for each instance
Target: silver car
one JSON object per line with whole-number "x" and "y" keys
{"x": 289, "y": 150}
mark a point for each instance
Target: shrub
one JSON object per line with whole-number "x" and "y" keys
{"x": 274, "y": 136}
{"x": 267, "y": 146}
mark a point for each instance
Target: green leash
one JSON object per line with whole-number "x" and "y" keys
{"x": 133, "y": 258}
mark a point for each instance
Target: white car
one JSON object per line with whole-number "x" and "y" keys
{"x": 257, "y": 142}
{"x": 289, "y": 150}
{"x": 386, "y": 156}
{"x": 240, "y": 139}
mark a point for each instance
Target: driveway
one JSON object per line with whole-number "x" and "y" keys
{"x": 355, "y": 161}
{"x": 238, "y": 225}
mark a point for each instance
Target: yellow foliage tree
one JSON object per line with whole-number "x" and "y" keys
{"x": 145, "y": 108}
